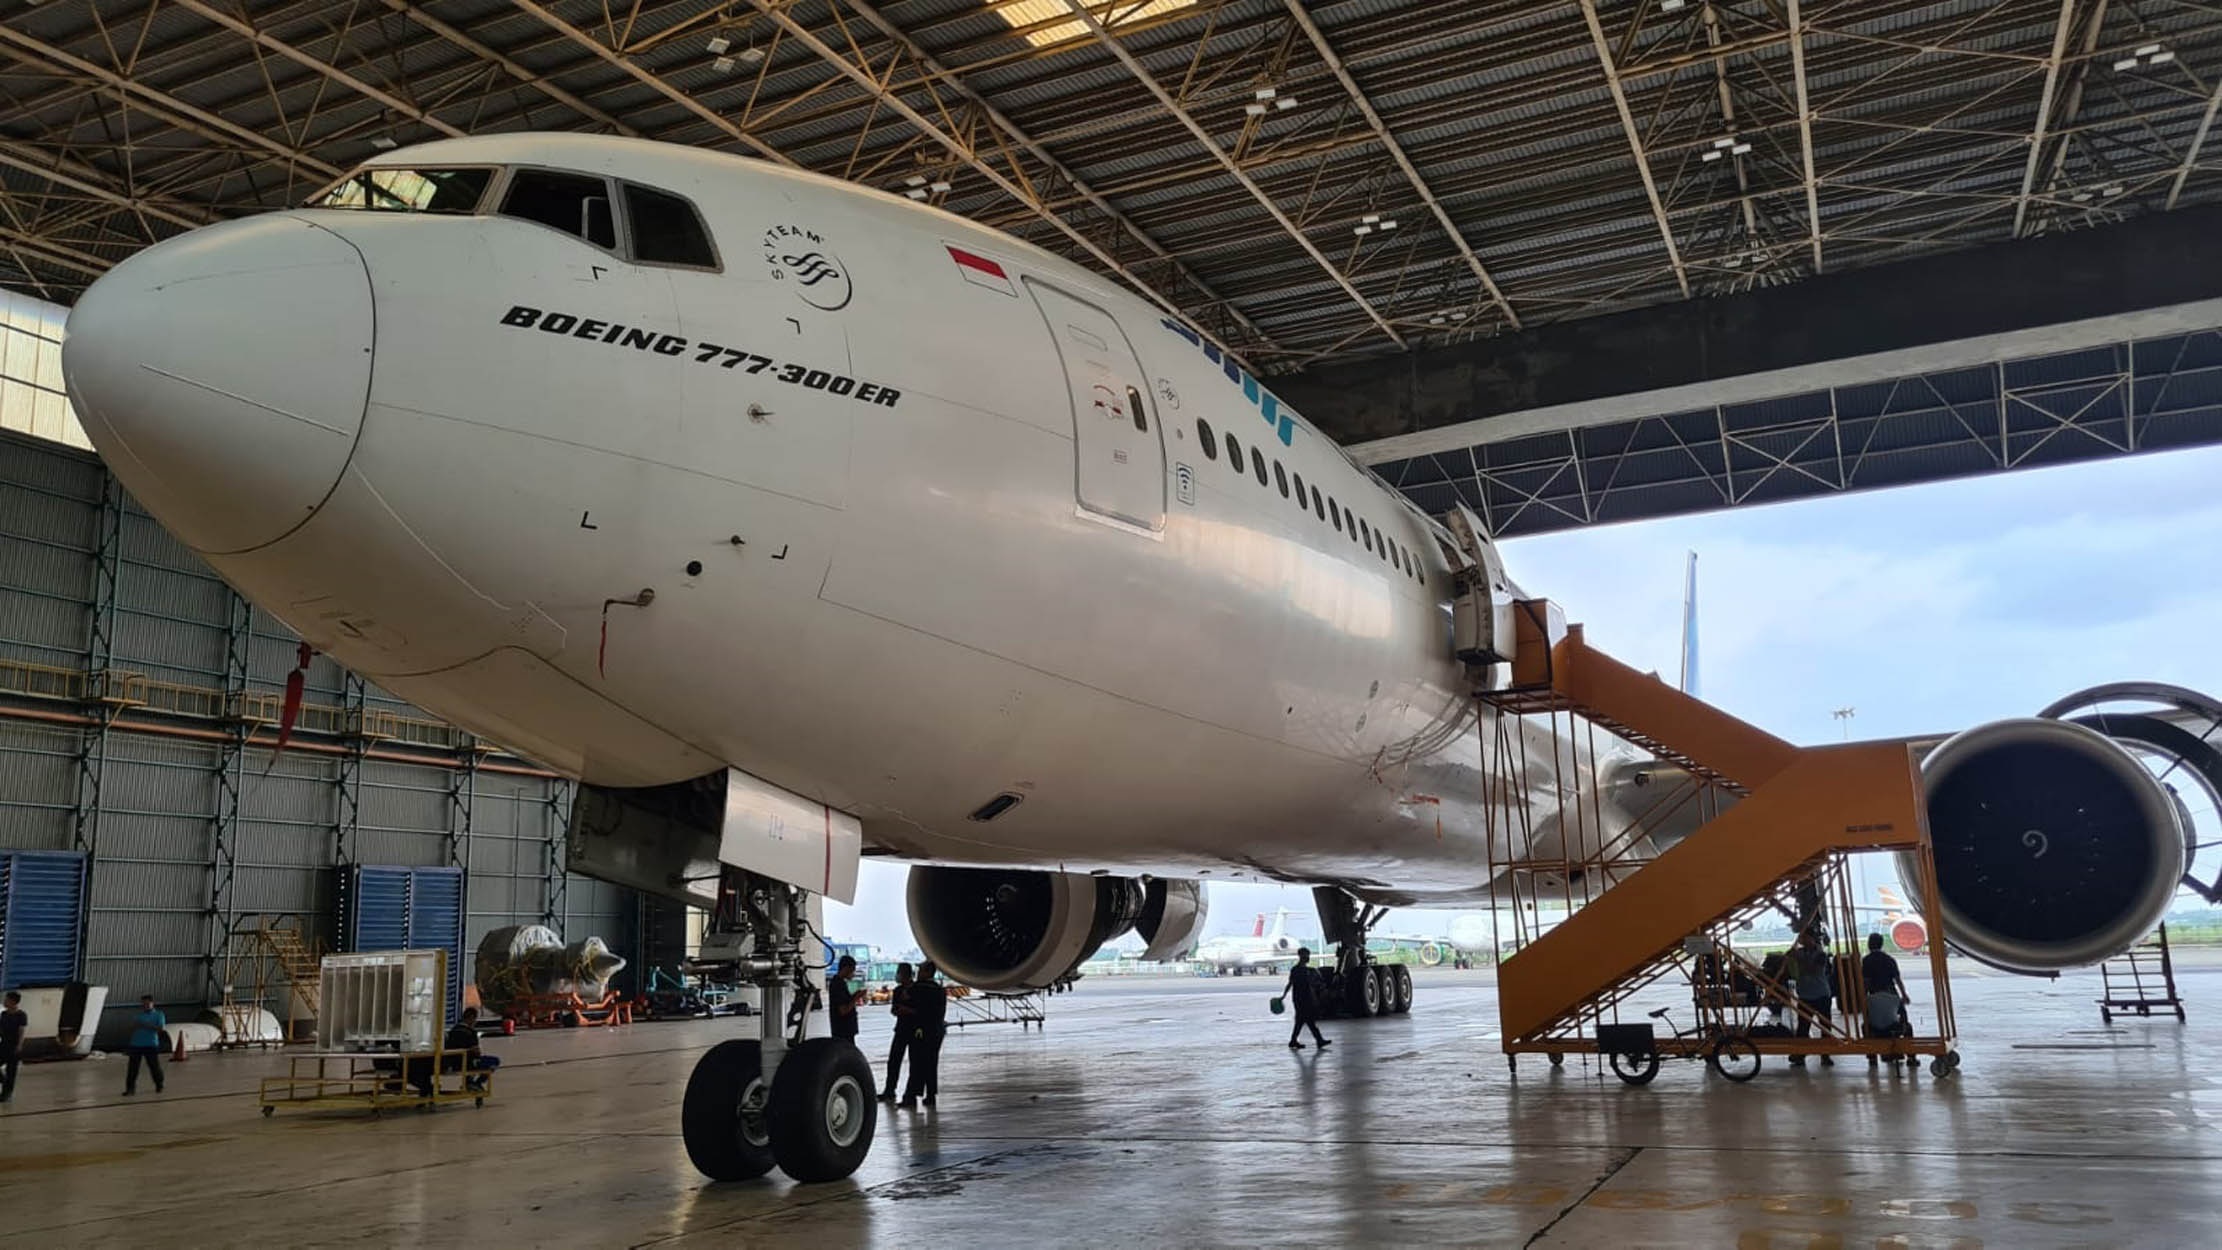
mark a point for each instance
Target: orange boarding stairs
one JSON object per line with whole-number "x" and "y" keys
{"x": 1799, "y": 805}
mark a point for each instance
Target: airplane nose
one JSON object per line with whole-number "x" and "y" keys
{"x": 223, "y": 375}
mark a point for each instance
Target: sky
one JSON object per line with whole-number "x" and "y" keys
{"x": 1925, "y": 609}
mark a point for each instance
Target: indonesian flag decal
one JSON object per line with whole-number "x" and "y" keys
{"x": 980, "y": 271}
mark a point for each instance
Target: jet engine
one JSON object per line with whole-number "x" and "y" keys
{"x": 2055, "y": 847}
{"x": 1019, "y": 929}
{"x": 1172, "y": 918}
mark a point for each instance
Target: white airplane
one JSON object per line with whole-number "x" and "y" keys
{"x": 1899, "y": 919}
{"x": 1257, "y": 951}
{"x": 798, "y": 520}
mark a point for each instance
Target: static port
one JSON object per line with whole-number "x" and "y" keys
{"x": 694, "y": 568}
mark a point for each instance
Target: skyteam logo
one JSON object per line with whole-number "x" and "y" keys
{"x": 800, "y": 257}
{"x": 1269, "y": 406}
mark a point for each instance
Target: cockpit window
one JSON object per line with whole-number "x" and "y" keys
{"x": 409, "y": 190}
{"x": 666, "y": 230}
{"x": 576, "y": 204}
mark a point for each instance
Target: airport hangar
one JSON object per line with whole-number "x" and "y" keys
{"x": 1564, "y": 263}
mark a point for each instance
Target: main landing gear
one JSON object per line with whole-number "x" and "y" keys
{"x": 1358, "y": 985}
{"x": 802, "y": 1105}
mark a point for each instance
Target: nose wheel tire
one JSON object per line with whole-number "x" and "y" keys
{"x": 822, "y": 1110}
{"x": 1403, "y": 977}
{"x": 725, "y": 1118}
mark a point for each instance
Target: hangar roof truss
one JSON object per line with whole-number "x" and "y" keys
{"x": 1306, "y": 180}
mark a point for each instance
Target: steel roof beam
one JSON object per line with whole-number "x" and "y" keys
{"x": 303, "y": 59}
{"x": 172, "y": 110}
{"x": 538, "y": 82}
{"x": 1404, "y": 162}
{"x": 1805, "y": 132}
{"x": 1635, "y": 143}
{"x": 2044, "y": 113}
{"x": 1189, "y": 122}
{"x": 80, "y": 177}
{"x": 2198, "y": 142}
{"x": 935, "y": 71}
{"x": 655, "y": 82}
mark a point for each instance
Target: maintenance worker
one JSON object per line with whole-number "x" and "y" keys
{"x": 145, "y": 1044}
{"x": 841, "y": 1000}
{"x": 462, "y": 1042}
{"x": 13, "y": 1023}
{"x": 1302, "y": 995}
{"x": 898, "y": 1004}
{"x": 1816, "y": 986}
{"x": 1886, "y": 993}
{"x": 929, "y": 1002}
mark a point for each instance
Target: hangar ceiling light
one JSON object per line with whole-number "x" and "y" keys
{"x": 1024, "y": 13}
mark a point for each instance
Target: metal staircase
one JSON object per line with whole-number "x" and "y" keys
{"x": 1798, "y": 812}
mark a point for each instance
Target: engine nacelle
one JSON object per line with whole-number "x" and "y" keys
{"x": 1172, "y": 919}
{"x": 2054, "y": 846}
{"x": 1017, "y": 928}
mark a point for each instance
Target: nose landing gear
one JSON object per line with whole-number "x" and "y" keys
{"x": 802, "y": 1105}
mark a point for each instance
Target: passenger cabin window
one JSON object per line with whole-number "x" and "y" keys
{"x": 1234, "y": 455}
{"x": 1257, "y": 465}
{"x": 666, "y": 230}
{"x": 573, "y": 203}
{"x": 1334, "y": 513}
{"x": 409, "y": 191}
{"x": 1134, "y": 405}
{"x": 1302, "y": 500}
{"x": 1205, "y": 436}
{"x": 1319, "y": 503}
{"x": 1280, "y": 478}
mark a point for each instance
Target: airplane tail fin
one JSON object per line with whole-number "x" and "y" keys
{"x": 1689, "y": 629}
{"x": 1280, "y": 923}
{"x": 1891, "y": 898}
{"x": 1259, "y": 929}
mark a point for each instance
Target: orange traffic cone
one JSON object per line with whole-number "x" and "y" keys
{"x": 177, "y": 1054}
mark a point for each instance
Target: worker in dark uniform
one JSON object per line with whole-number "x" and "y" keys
{"x": 899, "y": 1006}
{"x": 13, "y": 1022}
{"x": 929, "y": 1002}
{"x": 1303, "y": 999}
{"x": 841, "y": 1000}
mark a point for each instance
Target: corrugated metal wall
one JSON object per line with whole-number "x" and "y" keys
{"x": 189, "y": 833}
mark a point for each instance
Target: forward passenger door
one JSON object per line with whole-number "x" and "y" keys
{"x": 1119, "y": 453}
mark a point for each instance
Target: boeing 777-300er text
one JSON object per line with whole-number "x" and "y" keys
{"x": 799, "y": 522}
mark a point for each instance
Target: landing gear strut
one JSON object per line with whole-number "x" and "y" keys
{"x": 1359, "y": 984}
{"x": 801, "y": 1105}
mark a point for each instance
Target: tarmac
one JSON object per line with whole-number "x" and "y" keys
{"x": 1169, "y": 1112}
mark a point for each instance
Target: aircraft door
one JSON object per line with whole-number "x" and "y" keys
{"x": 1118, "y": 449}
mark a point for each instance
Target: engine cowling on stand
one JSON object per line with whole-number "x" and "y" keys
{"x": 2055, "y": 847}
{"x": 1024, "y": 929}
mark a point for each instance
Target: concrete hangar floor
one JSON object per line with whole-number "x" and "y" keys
{"x": 1167, "y": 1112}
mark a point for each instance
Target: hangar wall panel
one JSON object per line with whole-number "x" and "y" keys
{"x": 104, "y": 617}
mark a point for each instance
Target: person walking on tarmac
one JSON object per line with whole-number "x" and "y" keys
{"x": 898, "y": 1005}
{"x": 145, "y": 1045}
{"x": 929, "y": 1002}
{"x": 1303, "y": 999}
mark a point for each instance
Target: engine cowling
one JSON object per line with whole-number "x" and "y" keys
{"x": 1172, "y": 919}
{"x": 1013, "y": 928}
{"x": 2054, "y": 846}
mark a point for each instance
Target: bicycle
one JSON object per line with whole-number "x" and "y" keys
{"x": 1730, "y": 1053}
